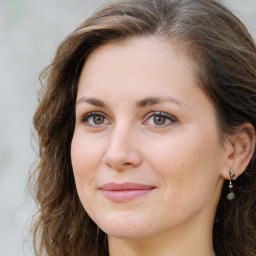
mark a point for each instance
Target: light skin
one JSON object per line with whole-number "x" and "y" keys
{"x": 141, "y": 118}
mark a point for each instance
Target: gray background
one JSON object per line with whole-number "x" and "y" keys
{"x": 30, "y": 31}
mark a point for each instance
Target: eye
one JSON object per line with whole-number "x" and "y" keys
{"x": 160, "y": 119}
{"x": 94, "y": 119}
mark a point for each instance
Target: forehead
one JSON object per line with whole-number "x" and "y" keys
{"x": 147, "y": 58}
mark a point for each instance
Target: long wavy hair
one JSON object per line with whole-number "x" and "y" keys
{"x": 224, "y": 56}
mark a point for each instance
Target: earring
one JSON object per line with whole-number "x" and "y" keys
{"x": 231, "y": 195}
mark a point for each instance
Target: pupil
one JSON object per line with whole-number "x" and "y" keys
{"x": 159, "y": 120}
{"x": 98, "y": 119}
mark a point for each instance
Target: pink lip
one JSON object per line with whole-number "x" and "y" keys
{"x": 125, "y": 192}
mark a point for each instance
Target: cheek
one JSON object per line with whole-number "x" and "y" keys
{"x": 85, "y": 158}
{"x": 187, "y": 164}
{"x": 85, "y": 154}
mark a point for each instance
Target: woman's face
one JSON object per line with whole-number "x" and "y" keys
{"x": 146, "y": 154}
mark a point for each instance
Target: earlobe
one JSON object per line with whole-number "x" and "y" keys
{"x": 241, "y": 149}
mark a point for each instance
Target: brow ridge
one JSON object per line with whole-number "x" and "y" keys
{"x": 140, "y": 104}
{"x": 157, "y": 100}
{"x": 92, "y": 101}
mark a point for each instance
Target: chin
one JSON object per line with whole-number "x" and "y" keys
{"x": 126, "y": 227}
{"x": 128, "y": 233}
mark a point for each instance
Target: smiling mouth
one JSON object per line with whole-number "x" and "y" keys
{"x": 125, "y": 192}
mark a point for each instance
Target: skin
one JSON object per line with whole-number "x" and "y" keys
{"x": 181, "y": 155}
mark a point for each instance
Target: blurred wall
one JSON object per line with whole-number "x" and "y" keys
{"x": 30, "y": 31}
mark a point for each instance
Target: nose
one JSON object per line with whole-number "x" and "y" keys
{"x": 122, "y": 151}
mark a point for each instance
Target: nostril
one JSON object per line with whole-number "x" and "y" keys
{"x": 127, "y": 164}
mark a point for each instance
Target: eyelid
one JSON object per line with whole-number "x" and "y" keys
{"x": 86, "y": 116}
{"x": 170, "y": 117}
{"x": 161, "y": 113}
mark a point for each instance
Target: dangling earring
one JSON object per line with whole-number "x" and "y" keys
{"x": 231, "y": 195}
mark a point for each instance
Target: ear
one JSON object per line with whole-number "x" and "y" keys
{"x": 239, "y": 150}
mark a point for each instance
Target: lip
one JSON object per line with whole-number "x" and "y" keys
{"x": 125, "y": 192}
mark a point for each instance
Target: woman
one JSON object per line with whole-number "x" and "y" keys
{"x": 147, "y": 134}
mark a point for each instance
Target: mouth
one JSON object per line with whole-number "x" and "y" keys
{"x": 125, "y": 192}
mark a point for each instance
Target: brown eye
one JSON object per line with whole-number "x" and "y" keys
{"x": 159, "y": 120}
{"x": 95, "y": 119}
{"x": 99, "y": 119}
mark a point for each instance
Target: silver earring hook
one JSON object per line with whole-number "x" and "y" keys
{"x": 231, "y": 195}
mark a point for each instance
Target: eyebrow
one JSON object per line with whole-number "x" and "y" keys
{"x": 140, "y": 104}
{"x": 92, "y": 101}
{"x": 157, "y": 100}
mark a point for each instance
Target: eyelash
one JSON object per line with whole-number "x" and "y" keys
{"x": 86, "y": 118}
{"x": 167, "y": 117}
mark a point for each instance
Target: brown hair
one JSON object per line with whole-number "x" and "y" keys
{"x": 225, "y": 59}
